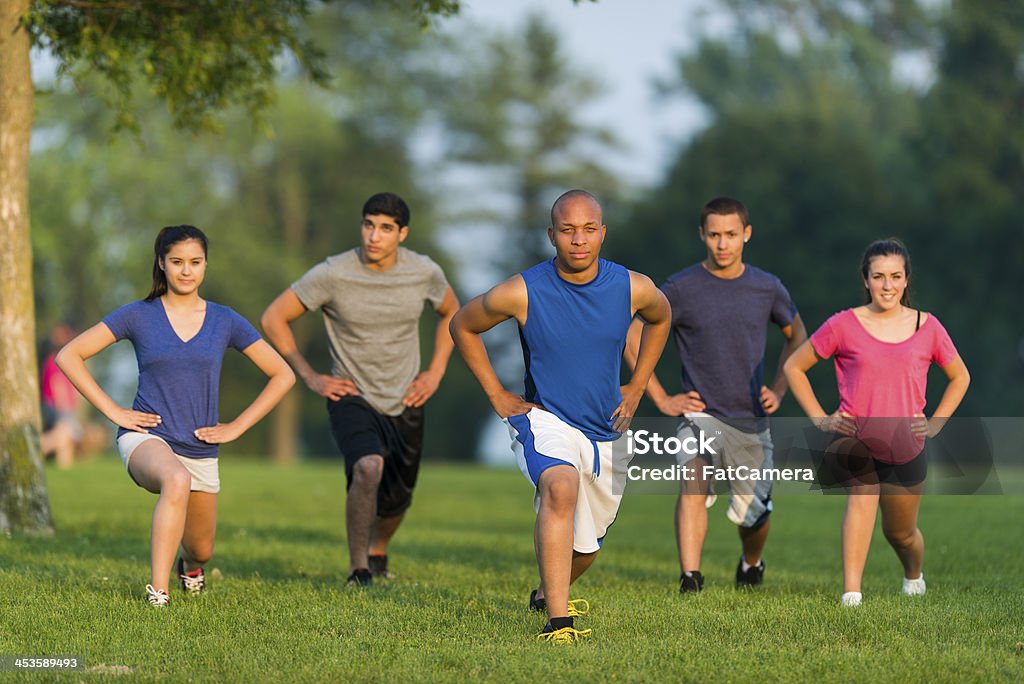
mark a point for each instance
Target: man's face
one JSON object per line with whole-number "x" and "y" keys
{"x": 381, "y": 236}
{"x": 577, "y": 234}
{"x": 724, "y": 236}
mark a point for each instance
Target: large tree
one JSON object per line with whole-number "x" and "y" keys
{"x": 199, "y": 57}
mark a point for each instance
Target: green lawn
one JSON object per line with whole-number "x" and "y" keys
{"x": 277, "y": 608}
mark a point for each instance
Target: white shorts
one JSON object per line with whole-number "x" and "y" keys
{"x": 204, "y": 471}
{"x": 540, "y": 440}
{"x": 750, "y": 501}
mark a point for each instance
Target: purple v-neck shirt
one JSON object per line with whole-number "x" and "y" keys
{"x": 178, "y": 380}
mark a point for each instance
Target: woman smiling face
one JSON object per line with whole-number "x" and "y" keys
{"x": 886, "y": 281}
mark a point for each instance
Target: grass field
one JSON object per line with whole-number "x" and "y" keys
{"x": 277, "y": 608}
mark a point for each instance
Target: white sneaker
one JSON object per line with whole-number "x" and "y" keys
{"x": 157, "y": 598}
{"x": 191, "y": 583}
{"x": 851, "y": 599}
{"x": 914, "y": 587}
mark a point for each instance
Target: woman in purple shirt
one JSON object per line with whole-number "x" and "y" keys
{"x": 168, "y": 439}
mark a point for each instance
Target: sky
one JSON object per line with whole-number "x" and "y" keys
{"x": 626, "y": 44}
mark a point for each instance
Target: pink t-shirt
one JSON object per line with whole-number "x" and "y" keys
{"x": 57, "y": 391}
{"x": 883, "y": 381}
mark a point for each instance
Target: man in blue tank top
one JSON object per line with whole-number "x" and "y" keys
{"x": 573, "y": 313}
{"x": 720, "y": 311}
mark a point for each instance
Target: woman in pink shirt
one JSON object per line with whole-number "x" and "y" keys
{"x": 882, "y": 352}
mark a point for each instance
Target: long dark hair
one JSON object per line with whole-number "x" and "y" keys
{"x": 887, "y": 247}
{"x": 165, "y": 239}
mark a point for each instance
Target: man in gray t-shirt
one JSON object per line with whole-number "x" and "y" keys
{"x": 372, "y": 298}
{"x": 721, "y": 308}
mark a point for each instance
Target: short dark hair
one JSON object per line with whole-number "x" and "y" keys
{"x": 388, "y": 204}
{"x": 568, "y": 195}
{"x": 723, "y": 206}
{"x": 887, "y": 247}
{"x": 165, "y": 239}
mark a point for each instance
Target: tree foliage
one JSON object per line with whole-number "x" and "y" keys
{"x": 815, "y": 127}
{"x": 198, "y": 58}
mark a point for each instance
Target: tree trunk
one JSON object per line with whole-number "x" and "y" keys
{"x": 285, "y": 420}
{"x": 23, "y": 502}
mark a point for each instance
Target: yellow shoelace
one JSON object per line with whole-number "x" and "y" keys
{"x": 566, "y": 635}
{"x": 578, "y": 607}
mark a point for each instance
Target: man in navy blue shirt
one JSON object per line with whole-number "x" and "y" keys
{"x": 720, "y": 307}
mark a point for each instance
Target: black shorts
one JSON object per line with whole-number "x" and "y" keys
{"x": 847, "y": 463}
{"x": 360, "y": 431}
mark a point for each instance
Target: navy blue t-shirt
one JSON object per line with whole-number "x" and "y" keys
{"x": 179, "y": 380}
{"x": 720, "y": 328}
{"x": 573, "y": 342}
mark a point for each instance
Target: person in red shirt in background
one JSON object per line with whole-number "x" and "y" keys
{"x": 62, "y": 430}
{"x": 882, "y": 351}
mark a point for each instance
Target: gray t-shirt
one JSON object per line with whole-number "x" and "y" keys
{"x": 372, "y": 319}
{"x": 720, "y": 328}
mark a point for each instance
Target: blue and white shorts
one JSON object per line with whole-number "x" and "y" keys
{"x": 750, "y": 500}
{"x": 540, "y": 440}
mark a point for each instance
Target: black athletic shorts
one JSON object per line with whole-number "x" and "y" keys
{"x": 360, "y": 431}
{"x": 847, "y": 462}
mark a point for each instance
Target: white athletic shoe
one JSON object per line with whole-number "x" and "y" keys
{"x": 851, "y": 599}
{"x": 157, "y": 598}
{"x": 914, "y": 587}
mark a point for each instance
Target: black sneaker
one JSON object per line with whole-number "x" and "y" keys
{"x": 192, "y": 583}
{"x": 753, "y": 577}
{"x": 360, "y": 577}
{"x": 691, "y": 582}
{"x": 539, "y": 605}
{"x": 379, "y": 567}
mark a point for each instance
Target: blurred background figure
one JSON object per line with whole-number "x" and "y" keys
{"x": 66, "y": 435}
{"x": 61, "y": 428}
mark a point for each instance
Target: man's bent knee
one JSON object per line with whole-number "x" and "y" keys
{"x": 368, "y": 470}
{"x": 559, "y": 486}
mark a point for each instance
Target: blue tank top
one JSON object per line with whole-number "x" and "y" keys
{"x": 573, "y": 341}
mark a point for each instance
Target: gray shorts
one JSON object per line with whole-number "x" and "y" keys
{"x": 750, "y": 500}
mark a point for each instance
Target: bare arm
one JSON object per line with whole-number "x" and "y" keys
{"x": 651, "y": 306}
{"x": 502, "y": 302}
{"x": 275, "y": 322}
{"x": 669, "y": 404}
{"x": 795, "y": 368}
{"x": 281, "y": 380}
{"x": 795, "y": 334}
{"x": 71, "y": 360}
{"x": 426, "y": 383}
{"x": 959, "y": 380}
